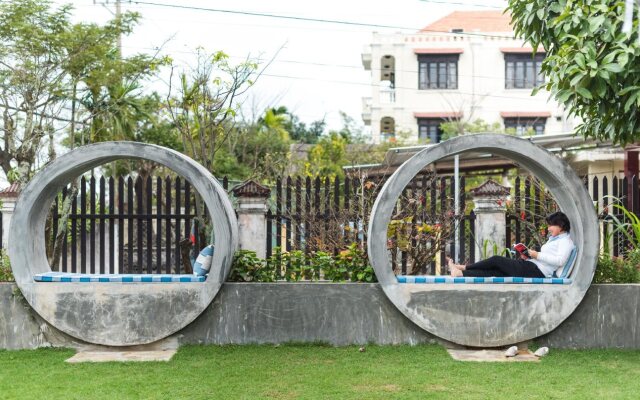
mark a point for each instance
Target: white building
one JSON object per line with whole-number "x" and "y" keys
{"x": 465, "y": 66}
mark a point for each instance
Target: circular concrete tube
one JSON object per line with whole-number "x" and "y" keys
{"x": 490, "y": 314}
{"x": 115, "y": 314}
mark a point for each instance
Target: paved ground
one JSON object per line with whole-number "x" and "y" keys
{"x": 159, "y": 351}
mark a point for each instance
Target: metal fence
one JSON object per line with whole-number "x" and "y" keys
{"x": 127, "y": 225}
{"x": 531, "y": 203}
{"x": 140, "y": 225}
{"x": 329, "y": 215}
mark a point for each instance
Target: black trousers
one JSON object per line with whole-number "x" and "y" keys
{"x": 503, "y": 266}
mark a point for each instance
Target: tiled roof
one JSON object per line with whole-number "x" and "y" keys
{"x": 491, "y": 188}
{"x": 251, "y": 188}
{"x": 525, "y": 114}
{"x": 12, "y": 191}
{"x": 439, "y": 50}
{"x": 472, "y": 21}
{"x": 437, "y": 114}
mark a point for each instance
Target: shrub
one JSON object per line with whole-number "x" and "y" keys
{"x": 6, "y": 275}
{"x": 247, "y": 267}
{"x": 618, "y": 270}
{"x": 349, "y": 265}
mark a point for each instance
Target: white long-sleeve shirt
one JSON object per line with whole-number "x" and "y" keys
{"x": 554, "y": 254}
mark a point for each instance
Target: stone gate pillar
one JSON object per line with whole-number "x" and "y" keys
{"x": 489, "y": 201}
{"x": 8, "y": 197}
{"x": 252, "y": 216}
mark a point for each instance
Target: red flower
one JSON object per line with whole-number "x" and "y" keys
{"x": 522, "y": 215}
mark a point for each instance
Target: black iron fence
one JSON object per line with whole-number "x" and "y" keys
{"x": 329, "y": 215}
{"x": 127, "y": 225}
{"x": 531, "y": 203}
{"x": 140, "y": 225}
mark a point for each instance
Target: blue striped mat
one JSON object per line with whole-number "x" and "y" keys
{"x": 107, "y": 278}
{"x": 450, "y": 279}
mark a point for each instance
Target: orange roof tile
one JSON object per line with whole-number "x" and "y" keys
{"x": 438, "y": 114}
{"x": 472, "y": 21}
{"x": 437, "y": 50}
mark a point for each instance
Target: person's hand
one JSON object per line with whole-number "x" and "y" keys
{"x": 533, "y": 253}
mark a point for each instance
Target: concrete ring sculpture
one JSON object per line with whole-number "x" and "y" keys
{"x": 115, "y": 314}
{"x": 490, "y": 314}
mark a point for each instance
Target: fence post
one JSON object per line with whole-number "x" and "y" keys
{"x": 9, "y": 197}
{"x": 489, "y": 201}
{"x": 252, "y": 210}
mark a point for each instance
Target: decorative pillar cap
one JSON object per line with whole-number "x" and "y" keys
{"x": 490, "y": 188}
{"x": 251, "y": 188}
{"x": 12, "y": 191}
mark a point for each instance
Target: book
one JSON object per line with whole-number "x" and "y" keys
{"x": 521, "y": 249}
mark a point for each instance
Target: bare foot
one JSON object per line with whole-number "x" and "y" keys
{"x": 456, "y": 273}
{"x": 452, "y": 266}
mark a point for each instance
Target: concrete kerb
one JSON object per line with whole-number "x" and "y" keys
{"x": 492, "y": 314}
{"x": 116, "y": 314}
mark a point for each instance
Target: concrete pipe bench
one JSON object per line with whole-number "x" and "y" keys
{"x": 116, "y": 310}
{"x": 489, "y": 312}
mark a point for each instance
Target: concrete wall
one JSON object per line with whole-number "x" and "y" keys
{"x": 339, "y": 314}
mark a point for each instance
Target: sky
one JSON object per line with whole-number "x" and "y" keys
{"x": 315, "y": 69}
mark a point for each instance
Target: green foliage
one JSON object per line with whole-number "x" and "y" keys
{"x": 591, "y": 65}
{"x": 247, "y": 267}
{"x": 350, "y": 264}
{"x": 6, "y": 274}
{"x": 356, "y": 263}
{"x": 312, "y": 372}
{"x": 328, "y": 156}
{"x": 618, "y": 270}
{"x": 452, "y": 129}
{"x": 495, "y": 248}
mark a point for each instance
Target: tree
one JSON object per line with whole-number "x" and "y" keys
{"x": 32, "y": 52}
{"x": 206, "y": 100}
{"x": 591, "y": 66}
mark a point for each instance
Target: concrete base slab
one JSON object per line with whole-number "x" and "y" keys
{"x": 161, "y": 350}
{"x": 490, "y": 355}
{"x": 121, "y": 356}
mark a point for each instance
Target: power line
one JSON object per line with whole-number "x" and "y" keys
{"x": 307, "y": 19}
{"x": 456, "y": 3}
{"x": 320, "y": 64}
{"x": 397, "y": 87}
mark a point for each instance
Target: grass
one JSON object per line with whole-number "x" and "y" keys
{"x": 320, "y": 372}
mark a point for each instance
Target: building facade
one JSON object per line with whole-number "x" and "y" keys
{"x": 463, "y": 67}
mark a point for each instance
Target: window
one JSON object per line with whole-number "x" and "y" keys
{"x": 523, "y": 71}
{"x": 523, "y": 125}
{"x": 437, "y": 71}
{"x": 429, "y": 129}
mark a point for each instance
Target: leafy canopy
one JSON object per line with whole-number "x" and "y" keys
{"x": 592, "y": 67}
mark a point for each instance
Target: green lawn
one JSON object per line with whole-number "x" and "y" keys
{"x": 320, "y": 372}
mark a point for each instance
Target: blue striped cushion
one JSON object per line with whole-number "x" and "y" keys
{"x": 474, "y": 279}
{"x": 108, "y": 278}
{"x": 568, "y": 266}
{"x": 203, "y": 263}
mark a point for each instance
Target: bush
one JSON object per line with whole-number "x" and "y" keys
{"x": 619, "y": 269}
{"x": 247, "y": 267}
{"x": 349, "y": 265}
{"x": 6, "y": 275}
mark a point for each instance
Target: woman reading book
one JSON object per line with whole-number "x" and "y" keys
{"x": 530, "y": 264}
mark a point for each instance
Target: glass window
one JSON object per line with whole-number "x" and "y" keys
{"x": 523, "y": 71}
{"x": 523, "y": 126}
{"x": 429, "y": 129}
{"x": 438, "y": 71}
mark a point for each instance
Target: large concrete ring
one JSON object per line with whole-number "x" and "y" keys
{"x": 111, "y": 313}
{"x": 490, "y": 314}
